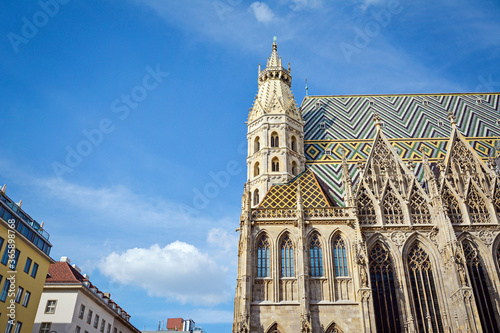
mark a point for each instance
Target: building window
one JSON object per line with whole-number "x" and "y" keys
{"x": 384, "y": 290}
{"x": 51, "y": 306}
{"x": 275, "y": 165}
{"x": 340, "y": 257}
{"x": 256, "y": 145}
{"x": 89, "y": 317}
{"x": 19, "y": 325}
{"x": 27, "y": 266}
{"x": 19, "y": 294}
{"x": 34, "y": 270}
{"x": 13, "y": 263}
{"x": 78, "y": 329}
{"x": 96, "y": 321}
{"x": 440, "y": 123}
{"x": 5, "y": 256}
{"x": 316, "y": 254}
{"x": 287, "y": 257}
{"x": 294, "y": 168}
{"x": 454, "y": 211}
{"x": 423, "y": 290}
{"x": 480, "y": 285}
{"x": 82, "y": 311}
{"x": 275, "y": 141}
{"x": 322, "y": 125}
{"x": 256, "y": 169}
{"x": 256, "y": 197}
{"x": 109, "y": 329}
{"x": 5, "y": 290}
{"x": 425, "y": 102}
{"x": 263, "y": 257}
{"x": 115, "y": 330}
{"x": 103, "y": 325}
{"x": 45, "y": 327}
{"x": 294, "y": 143}
{"x": 8, "y": 328}
{"x": 26, "y": 299}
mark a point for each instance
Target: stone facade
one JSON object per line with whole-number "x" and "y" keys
{"x": 414, "y": 245}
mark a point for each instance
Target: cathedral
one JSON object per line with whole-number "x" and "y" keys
{"x": 369, "y": 213}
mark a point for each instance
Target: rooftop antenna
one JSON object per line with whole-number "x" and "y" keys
{"x": 307, "y": 89}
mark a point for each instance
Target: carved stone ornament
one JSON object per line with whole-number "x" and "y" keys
{"x": 433, "y": 235}
{"x": 486, "y": 236}
{"x": 398, "y": 238}
{"x": 305, "y": 324}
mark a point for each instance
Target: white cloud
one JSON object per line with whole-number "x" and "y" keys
{"x": 262, "y": 12}
{"x": 177, "y": 271}
{"x": 223, "y": 240}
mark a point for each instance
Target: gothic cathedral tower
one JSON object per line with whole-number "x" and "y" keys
{"x": 275, "y": 131}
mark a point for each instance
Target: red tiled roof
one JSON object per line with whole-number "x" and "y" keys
{"x": 173, "y": 323}
{"x": 62, "y": 272}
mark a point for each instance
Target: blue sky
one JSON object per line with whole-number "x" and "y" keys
{"x": 123, "y": 121}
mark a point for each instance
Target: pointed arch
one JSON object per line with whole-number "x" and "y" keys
{"x": 481, "y": 286}
{"x": 333, "y": 328}
{"x": 315, "y": 255}
{"x": 256, "y": 169}
{"x": 263, "y": 246}
{"x": 382, "y": 277}
{"x": 393, "y": 213}
{"x": 366, "y": 209}
{"x": 274, "y": 328}
{"x": 419, "y": 209}
{"x": 286, "y": 256}
{"x": 294, "y": 143}
{"x": 275, "y": 140}
{"x": 339, "y": 250}
{"x": 478, "y": 212}
{"x": 256, "y": 198}
{"x": 256, "y": 145}
{"x": 423, "y": 291}
{"x": 454, "y": 211}
{"x": 496, "y": 200}
{"x": 275, "y": 164}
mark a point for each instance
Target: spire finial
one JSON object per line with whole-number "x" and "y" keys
{"x": 377, "y": 119}
{"x": 307, "y": 89}
{"x": 453, "y": 119}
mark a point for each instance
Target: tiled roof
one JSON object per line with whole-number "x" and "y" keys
{"x": 285, "y": 195}
{"x": 63, "y": 272}
{"x": 337, "y": 124}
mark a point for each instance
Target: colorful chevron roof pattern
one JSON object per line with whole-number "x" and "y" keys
{"x": 285, "y": 195}
{"x": 411, "y": 122}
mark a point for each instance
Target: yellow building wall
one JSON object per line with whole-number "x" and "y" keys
{"x": 25, "y": 315}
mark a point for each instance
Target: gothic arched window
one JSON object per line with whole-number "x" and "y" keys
{"x": 294, "y": 143}
{"x": 256, "y": 197}
{"x": 477, "y": 207}
{"x": 423, "y": 290}
{"x": 366, "y": 210}
{"x": 256, "y": 169}
{"x": 419, "y": 209}
{"x": 273, "y": 329}
{"x": 480, "y": 283}
{"x": 334, "y": 329}
{"x": 384, "y": 290}
{"x": 263, "y": 257}
{"x": 393, "y": 213}
{"x": 275, "y": 165}
{"x": 340, "y": 257}
{"x": 316, "y": 254}
{"x": 275, "y": 141}
{"x": 454, "y": 211}
{"x": 287, "y": 257}
{"x": 256, "y": 145}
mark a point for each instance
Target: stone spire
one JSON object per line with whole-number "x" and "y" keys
{"x": 275, "y": 131}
